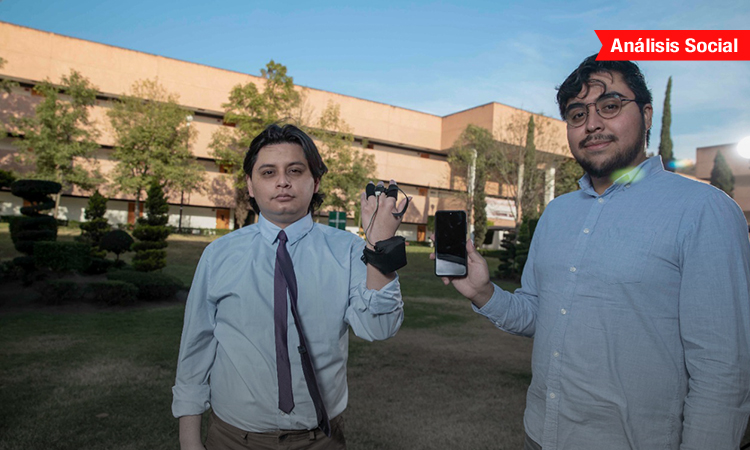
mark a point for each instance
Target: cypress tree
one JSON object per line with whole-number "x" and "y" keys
{"x": 151, "y": 232}
{"x": 665, "y": 145}
{"x": 721, "y": 175}
{"x": 97, "y": 225}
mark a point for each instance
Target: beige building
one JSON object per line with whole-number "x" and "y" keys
{"x": 704, "y": 163}
{"x": 408, "y": 146}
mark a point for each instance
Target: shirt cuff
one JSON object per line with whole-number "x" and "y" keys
{"x": 495, "y": 308}
{"x": 190, "y": 400}
{"x": 384, "y": 300}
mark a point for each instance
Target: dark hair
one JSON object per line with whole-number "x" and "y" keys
{"x": 578, "y": 80}
{"x": 288, "y": 134}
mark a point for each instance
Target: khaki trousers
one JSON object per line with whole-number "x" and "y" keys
{"x": 222, "y": 436}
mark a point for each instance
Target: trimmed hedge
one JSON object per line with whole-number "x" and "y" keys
{"x": 112, "y": 293}
{"x": 58, "y": 292}
{"x": 62, "y": 256}
{"x": 152, "y": 286}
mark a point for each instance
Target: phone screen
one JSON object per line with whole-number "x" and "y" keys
{"x": 450, "y": 243}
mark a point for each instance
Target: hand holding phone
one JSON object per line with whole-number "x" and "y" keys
{"x": 450, "y": 243}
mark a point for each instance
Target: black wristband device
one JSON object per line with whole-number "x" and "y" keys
{"x": 389, "y": 255}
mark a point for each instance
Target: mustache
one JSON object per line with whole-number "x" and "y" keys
{"x": 597, "y": 137}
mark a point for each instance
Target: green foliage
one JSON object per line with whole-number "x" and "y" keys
{"x": 59, "y": 292}
{"x": 112, "y": 293}
{"x": 532, "y": 187}
{"x": 349, "y": 169}
{"x": 152, "y": 233}
{"x": 24, "y": 231}
{"x": 249, "y": 111}
{"x": 60, "y": 135}
{"x": 117, "y": 242}
{"x": 461, "y": 156}
{"x": 515, "y": 250}
{"x": 36, "y": 192}
{"x": 665, "y": 145}
{"x": 157, "y": 208}
{"x": 151, "y": 286}
{"x": 62, "y": 256}
{"x": 721, "y": 175}
{"x": 152, "y": 142}
{"x": 99, "y": 266}
{"x": 97, "y": 225}
{"x": 567, "y": 176}
{"x": 6, "y": 178}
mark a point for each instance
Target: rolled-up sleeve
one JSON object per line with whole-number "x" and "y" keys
{"x": 714, "y": 315}
{"x": 191, "y": 392}
{"x": 372, "y": 314}
{"x": 515, "y": 312}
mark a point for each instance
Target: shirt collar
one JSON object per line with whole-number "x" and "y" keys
{"x": 294, "y": 232}
{"x": 649, "y": 166}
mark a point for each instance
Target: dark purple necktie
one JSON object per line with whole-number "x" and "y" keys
{"x": 284, "y": 280}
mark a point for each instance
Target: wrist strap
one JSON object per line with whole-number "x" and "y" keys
{"x": 388, "y": 256}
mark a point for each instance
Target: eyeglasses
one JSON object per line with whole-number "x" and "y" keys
{"x": 608, "y": 107}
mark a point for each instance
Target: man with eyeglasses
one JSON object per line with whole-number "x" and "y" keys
{"x": 635, "y": 290}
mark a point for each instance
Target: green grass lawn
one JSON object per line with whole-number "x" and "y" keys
{"x": 101, "y": 378}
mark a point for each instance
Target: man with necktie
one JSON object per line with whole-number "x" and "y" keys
{"x": 265, "y": 339}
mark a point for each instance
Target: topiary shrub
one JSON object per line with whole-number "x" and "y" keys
{"x": 58, "y": 292}
{"x": 97, "y": 225}
{"x": 99, "y": 266}
{"x": 152, "y": 286}
{"x": 152, "y": 233}
{"x": 112, "y": 293}
{"x": 117, "y": 242}
{"x": 24, "y": 231}
{"x": 62, "y": 256}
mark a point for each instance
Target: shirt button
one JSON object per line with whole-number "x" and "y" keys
{"x": 563, "y": 311}
{"x": 556, "y": 354}
{"x": 572, "y": 269}
{"x": 601, "y": 200}
{"x": 552, "y": 395}
{"x": 586, "y": 231}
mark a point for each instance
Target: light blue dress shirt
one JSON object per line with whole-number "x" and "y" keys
{"x": 638, "y": 304}
{"x": 227, "y": 354}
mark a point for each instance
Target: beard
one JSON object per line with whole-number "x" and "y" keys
{"x": 616, "y": 162}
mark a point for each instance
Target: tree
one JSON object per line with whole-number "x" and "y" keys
{"x": 152, "y": 232}
{"x": 721, "y": 175}
{"x": 5, "y": 86}
{"x": 665, "y": 145}
{"x": 512, "y": 171}
{"x": 97, "y": 225}
{"x": 486, "y": 159}
{"x": 152, "y": 142}
{"x": 349, "y": 170}
{"x": 249, "y": 111}
{"x": 60, "y": 135}
{"x": 515, "y": 249}
{"x": 532, "y": 187}
{"x": 567, "y": 176}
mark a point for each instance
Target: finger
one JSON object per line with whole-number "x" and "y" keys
{"x": 432, "y": 256}
{"x": 446, "y": 280}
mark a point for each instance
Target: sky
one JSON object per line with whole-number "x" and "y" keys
{"x": 438, "y": 57}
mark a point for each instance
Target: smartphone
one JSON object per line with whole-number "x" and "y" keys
{"x": 450, "y": 243}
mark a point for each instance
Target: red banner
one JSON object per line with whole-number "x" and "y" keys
{"x": 674, "y": 45}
